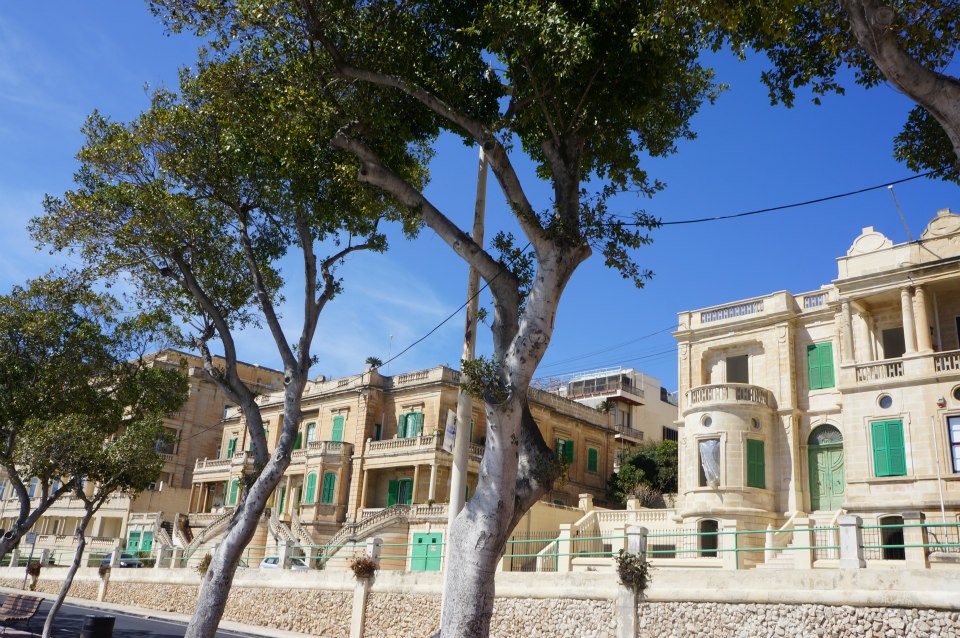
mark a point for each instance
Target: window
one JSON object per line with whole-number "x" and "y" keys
{"x": 889, "y": 457}
{"x": 377, "y": 431}
{"x": 709, "y": 538}
{"x": 298, "y": 442}
{"x": 226, "y": 409}
{"x": 311, "y": 432}
{"x": 669, "y": 434}
{"x": 399, "y": 492}
{"x": 167, "y": 442}
{"x": 709, "y": 461}
{"x": 756, "y": 465}
{"x": 564, "y": 450}
{"x": 3, "y": 488}
{"x": 337, "y": 428}
{"x": 892, "y": 538}
{"x": 893, "y": 343}
{"x": 820, "y": 365}
{"x": 231, "y": 447}
{"x": 310, "y": 495}
{"x": 409, "y": 425}
{"x": 953, "y": 430}
{"x": 593, "y": 460}
{"x": 329, "y": 488}
{"x": 234, "y": 488}
{"x": 738, "y": 369}
{"x": 34, "y": 484}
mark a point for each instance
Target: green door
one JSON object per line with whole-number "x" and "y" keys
{"x": 827, "y": 482}
{"x": 146, "y": 542}
{"x": 427, "y": 552}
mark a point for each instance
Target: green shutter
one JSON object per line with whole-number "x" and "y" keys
{"x": 299, "y": 442}
{"x": 133, "y": 542}
{"x": 826, "y": 365}
{"x": 568, "y": 452}
{"x": 402, "y": 426}
{"x": 329, "y": 486}
{"x": 756, "y": 464}
{"x": 593, "y": 459}
{"x": 146, "y": 542}
{"x": 880, "y": 465}
{"x": 283, "y": 498}
{"x": 337, "y": 429}
{"x": 234, "y": 487}
{"x": 311, "y": 488}
{"x": 813, "y": 366}
{"x": 393, "y": 491}
{"x": 231, "y": 448}
{"x": 889, "y": 455}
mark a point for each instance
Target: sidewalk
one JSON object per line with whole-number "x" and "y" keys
{"x": 141, "y": 612}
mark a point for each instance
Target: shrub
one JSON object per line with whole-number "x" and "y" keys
{"x": 363, "y": 566}
{"x": 104, "y": 570}
{"x": 33, "y": 568}
{"x": 634, "y": 571}
{"x": 204, "y": 564}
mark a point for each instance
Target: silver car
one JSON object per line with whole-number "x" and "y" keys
{"x": 296, "y": 564}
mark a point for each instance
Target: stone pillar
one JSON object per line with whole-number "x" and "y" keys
{"x": 285, "y": 508}
{"x": 804, "y": 540}
{"x": 359, "y": 616}
{"x": 363, "y": 495}
{"x": 161, "y": 552}
{"x": 194, "y": 498}
{"x": 373, "y": 549}
{"x": 564, "y": 549}
{"x": 909, "y": 327}
{"x": 729, "y": 545}
{"x": 204, "y": 496}
{"x": 915, "y": 539}
{"x": 416, "y": 481}
{"x": 846, "y": 341}
{"x": 115, "y": 555}
{"x": 586, "y": 502}
{"x": 924, "y": 343}
{"x": 851, "y": 542}
{"x": 432, "y": 489}
{"x": 637, "y": 540}
{"x": 286, "y": 550}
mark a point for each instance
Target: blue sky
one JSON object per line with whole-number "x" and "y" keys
{"x": 59, "y": 63}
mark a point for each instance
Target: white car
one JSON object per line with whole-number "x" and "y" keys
{"x": 296, "y": 564}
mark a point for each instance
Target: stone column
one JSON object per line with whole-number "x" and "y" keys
{"x": 803, "y": 537}
{"x": 161, "y": 552}
{"x": 286, "y": 496}
{"x": 286, "y": 550}
{"x": 586, "y": 502}
{"x": 915, "y": 539}
{"x": 924, "y": 343}
{"x": 729, "y": 544}
{"x": 846, "y": 342}
{"x": 363, "y": 494}
{"x": 194, "y": 498}
{"x": 626, "y": 597}
{"x": 432, "y": 489}
{"x": 416, "y": 481}
{"x": 909, "y": 327}
{"x": 564, "y": 549}
{"x": 204, "y": 496}
{"x": 851, "y": 542}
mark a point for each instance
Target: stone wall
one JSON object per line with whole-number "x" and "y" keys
{"x": 690, "y": 620}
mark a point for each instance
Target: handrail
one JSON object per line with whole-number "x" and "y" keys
{"x": 775, "y": 542}
{"x": 278, "y": 528}
{"x": 301, "y": 533}
{"x": 215, "y": 527}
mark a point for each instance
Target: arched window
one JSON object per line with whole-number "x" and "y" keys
{"x": 310, "y": 495}
{"x": 234, "y": 488}
{"x": 825, "y": 435}
{"x": 329, "y": 487}
{"x": 709, "y": 539}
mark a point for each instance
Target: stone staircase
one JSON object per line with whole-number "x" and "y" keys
{"x": 783, "y": 544}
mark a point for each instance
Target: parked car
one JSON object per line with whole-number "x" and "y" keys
{"x": 297, "y": 564}
{"x": 126, "y": 560}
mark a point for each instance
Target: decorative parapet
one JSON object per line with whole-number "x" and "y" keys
{"x": 727, "y": 393}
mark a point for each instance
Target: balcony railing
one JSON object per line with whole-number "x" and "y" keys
{"x": 889, "y": 369}
{"x": 728, "y": 393}
{"x": 423, "y": 443}
{"x": 947, "y": 361}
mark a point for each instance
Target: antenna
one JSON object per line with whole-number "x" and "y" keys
{"x": 900, "y": 210}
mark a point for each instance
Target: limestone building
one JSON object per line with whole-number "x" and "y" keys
{"x": 192, "y": 433}
{"x": 843, "y": 399}
{"x": 368, "y": 442}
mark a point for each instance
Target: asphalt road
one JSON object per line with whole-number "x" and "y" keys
{"x": 70, "y": 621}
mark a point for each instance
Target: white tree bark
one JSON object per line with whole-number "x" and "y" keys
{"x": 871, "y": 22}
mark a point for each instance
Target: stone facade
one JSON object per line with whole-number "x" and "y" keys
{"x": 841, "y": 400}
{"x": 690, "y": 620}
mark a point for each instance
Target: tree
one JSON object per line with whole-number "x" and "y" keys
{"x": 647, "y": 471}
{"x": 197, "y": 201}
{"x": 65, "y": 356}
{"x": 909, "y": 44}
{"x": 125, "y": 465}
{"x": 585, "y": 90}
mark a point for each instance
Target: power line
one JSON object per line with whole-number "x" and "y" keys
{"x": 588, "y": 355}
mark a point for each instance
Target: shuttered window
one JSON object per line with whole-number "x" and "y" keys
{"x": 231, "y": 448}
{"x": 820, "y": 365}
{"x": 889, "y": 456}
{"x": 564, "y": 450}
{"x": 337, "y": 429}
{"x": 593, "y": 460}
{"x": 311, "y": 494}
{"x": 756, "y": 464}
{"x": 234, "y": 488}
{"x": 329, "y": 488}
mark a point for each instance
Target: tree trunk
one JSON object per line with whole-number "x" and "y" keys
{"x": 74, "y": 566}
{"x": 216, "y": 584}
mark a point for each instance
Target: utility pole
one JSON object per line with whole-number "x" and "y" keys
{"x": 461, "y": 446}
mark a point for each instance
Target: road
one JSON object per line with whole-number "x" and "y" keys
{"x": 70, "y": 620}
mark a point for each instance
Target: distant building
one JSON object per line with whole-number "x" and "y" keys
{"x": 844, "y": 399}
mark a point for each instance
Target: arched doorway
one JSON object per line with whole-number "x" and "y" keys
{"x": 709, "y": 538}
{"x": 892, "y": 538}
{"x": 827, "y": 483}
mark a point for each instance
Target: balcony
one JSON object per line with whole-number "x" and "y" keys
{"x": 220, "y": 469}
{"x": 725, "y": 394}
{"x": 426, "y": 443}
{"x": 617, "y": 386}
{"x": 911, "y": 366}
{"x": 321, "y": 451}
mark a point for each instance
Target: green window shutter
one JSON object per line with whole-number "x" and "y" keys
{"x": 337, "y": 428}
{"x": 402, "y": 426}
{"x": 756, "y": 464}
{"x": 896, "y": 453}
{"x": 826, "y": 365}
{"x": 299, "y": 442}
{"x": 283, "y": 498}
{"x": 593, "y": 459}
{"x": 311, "y": 489}
{"x": 881, "y": 465}
{"x": 133, "y": 542}
{"x": 568, "y": 452}
{"x": 393, "y": 491}
{"x": 231, "y": 448}
{"x": 813, "y": 366}
{"x": 234, "y": 487}
{"x": 146, "y": 542}
{"x": 329, "y": 487}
